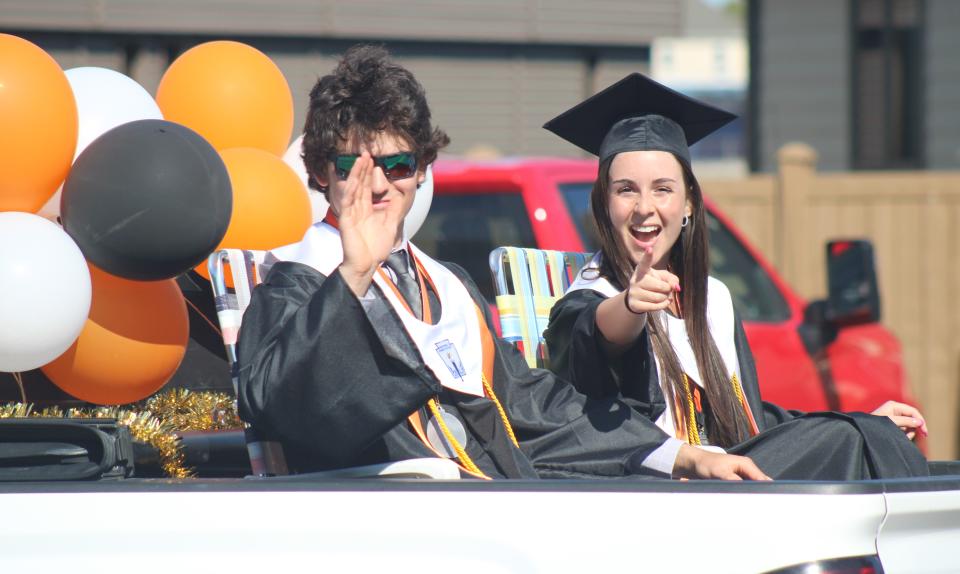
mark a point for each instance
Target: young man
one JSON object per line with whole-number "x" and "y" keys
{"x": 358, "y": 348}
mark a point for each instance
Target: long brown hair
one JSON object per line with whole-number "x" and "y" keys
{"x": 689, "y": 259}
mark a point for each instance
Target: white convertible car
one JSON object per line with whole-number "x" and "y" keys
{"x": 107, "y": 519}
{"x": 335, "y": 524}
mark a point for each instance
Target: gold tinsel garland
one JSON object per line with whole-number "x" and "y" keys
{"x": 155, "y": 421}
{"x": 195, "y": 411}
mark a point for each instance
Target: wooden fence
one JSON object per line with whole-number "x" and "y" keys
{"x": 913, "y": 219}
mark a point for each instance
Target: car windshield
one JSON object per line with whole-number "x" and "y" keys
{"x": 755, "y": 295}
{"x": 465, "y": 228}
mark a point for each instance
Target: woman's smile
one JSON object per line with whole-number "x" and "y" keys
{"x": 647, "y": 203}
{"x": 645, "y": 235}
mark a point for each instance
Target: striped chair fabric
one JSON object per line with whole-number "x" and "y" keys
{"x": 232, "y": 301}
{"x": 246, "y": 271}
{"x": 527, "y": 283}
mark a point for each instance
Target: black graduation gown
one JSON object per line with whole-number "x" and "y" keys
{"x": 791, "y": 444}
{"x": 335, "y": 383}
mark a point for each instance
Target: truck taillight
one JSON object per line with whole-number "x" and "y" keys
{"x": 852, "y": 565}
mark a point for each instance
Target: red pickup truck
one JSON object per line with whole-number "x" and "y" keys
{"x": 808, "y": 356}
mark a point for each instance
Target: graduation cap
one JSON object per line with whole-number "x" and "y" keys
{"x": 638, "y": 114}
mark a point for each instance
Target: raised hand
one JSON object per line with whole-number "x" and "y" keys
{"x": 622, "y": 318}
{"x": 367, "y": 233}
{"x": 904, "y": 416}
{"x": 650, "y": 289}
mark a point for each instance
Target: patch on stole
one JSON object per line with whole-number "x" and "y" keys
{"x": 451, "y": 358}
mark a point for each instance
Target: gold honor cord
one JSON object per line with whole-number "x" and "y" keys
{"x": 737, "y": 390}
{"x": 503, "y": 413}
{"x": 693, "y": 434}
{"x": 462, "y": 455}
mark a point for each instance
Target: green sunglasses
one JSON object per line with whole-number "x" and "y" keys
{"x": 396, "y": 166}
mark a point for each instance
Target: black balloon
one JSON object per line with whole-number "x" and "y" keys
{"x": 147, "y": 200}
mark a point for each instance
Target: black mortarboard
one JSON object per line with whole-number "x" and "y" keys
{"x": 638, "y": 114}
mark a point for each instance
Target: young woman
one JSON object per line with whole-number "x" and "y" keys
{"x": 644, "y": 322}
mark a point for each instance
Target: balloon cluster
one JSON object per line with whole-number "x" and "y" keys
{"x": 145, "y": 190}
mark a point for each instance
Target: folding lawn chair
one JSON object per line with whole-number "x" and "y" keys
{"x": 528, "y": 282}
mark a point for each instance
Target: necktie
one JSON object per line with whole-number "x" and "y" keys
{"x": 406, "y": 283}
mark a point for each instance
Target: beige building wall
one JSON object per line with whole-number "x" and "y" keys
{"x": 485, "y": 97}
{"x": 561, "y": 22}
{"x": 494, "y": 71}
{"x": 499, "y": 99}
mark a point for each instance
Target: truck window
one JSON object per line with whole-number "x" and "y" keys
{"x": 465, "y": 228}
{"x": 755, "y": 295}
{"x": 577, "y": 198}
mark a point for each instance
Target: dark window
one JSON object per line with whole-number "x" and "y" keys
{"x": 465, "y": 228}
{"x": 577, "y": 198}
{"x": 887, "y": 90}
{"x": 754, "y": 293}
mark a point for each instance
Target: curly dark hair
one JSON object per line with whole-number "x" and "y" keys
{"x": 366, "y": 94}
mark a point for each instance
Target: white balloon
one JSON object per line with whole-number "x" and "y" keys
{"x": 292, "y": 158}
{"x": 105, "y": 99}
{"x": 318, "y": 203}
{"x": 45, "y": 286}
{"x": 421, "y": 205}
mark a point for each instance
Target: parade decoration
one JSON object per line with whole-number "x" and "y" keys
{"x": 147, "y": 200}
{"x": 156, "y": 421}
{"x": 39, "y": 118}
{"x": 270, "y": 206}
{"x": 230, "y": 93}
{"x": 105, "y": 99}
{"x": 187, "y": 410}
{"x": 131, "y": 345}
{"x": 45, "y": 288}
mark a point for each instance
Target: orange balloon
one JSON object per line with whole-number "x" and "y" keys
{"x": 231, "y": 94}
{"x": 133, "y": 342}
{"x": 270, "y": 205}
{"x": 39, "y": 117}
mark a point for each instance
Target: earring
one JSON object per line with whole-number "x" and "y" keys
{"x": 685, "y": 221}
